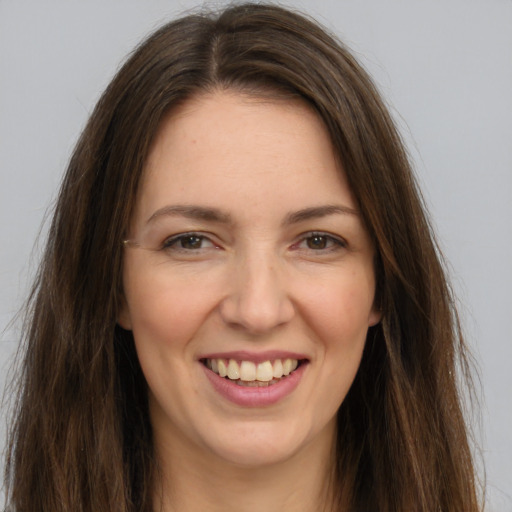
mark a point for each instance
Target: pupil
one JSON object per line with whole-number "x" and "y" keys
{"x": 191, "y": 242}
{"x": 317, "y": 242}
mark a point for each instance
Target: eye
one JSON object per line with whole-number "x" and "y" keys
{"x": 188, "y": 242}
{"x": 320, "y": 242}
{"x": 317, "y": 242}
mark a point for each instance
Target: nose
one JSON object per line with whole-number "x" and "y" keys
{"x": 257, "y": 300}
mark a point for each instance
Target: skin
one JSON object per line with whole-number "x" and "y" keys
{"x": 259, "y": 280}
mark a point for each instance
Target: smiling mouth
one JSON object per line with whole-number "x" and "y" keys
{"x": 249, "y": 374}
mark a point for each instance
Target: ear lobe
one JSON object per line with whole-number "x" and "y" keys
{"x": 375, "y": 316}
{"x": 123, "y": 317}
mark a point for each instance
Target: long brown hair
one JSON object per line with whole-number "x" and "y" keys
{"x": 81, "y": 440}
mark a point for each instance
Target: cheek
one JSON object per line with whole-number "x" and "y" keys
{"x": 165, "y": 317}
{"x": 343, "y": 327}
{"x": 340, "y": 308}
{"x": 339, "y": 316}
{"x": 166, "y": 311}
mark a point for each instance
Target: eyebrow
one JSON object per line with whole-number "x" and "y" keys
{"x": 316, "y": 212}
{"x": 192, "y": 212}
{"x": 216, "y": 215}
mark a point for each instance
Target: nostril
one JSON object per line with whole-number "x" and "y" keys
{"x": 256, "y": 299}
{"x": 256, "y": 316}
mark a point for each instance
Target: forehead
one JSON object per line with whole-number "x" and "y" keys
{"x": 219, "y": 146}
{"x": 221, "y": 119}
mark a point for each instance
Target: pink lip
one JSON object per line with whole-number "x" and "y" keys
{"x": 255, "y": 357}
{"x": 255, "y": 396}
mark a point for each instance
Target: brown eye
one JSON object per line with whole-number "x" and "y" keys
{"x": 317, "y": 242}
{"x": 191, "y": 242}
{"x": 320, "y": 242}
{"x": 187, "y": 242}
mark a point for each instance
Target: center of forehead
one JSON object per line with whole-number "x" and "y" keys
{"x": 223, "y": 148}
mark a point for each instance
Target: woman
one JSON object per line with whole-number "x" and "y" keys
{"x": 241, "y": 302}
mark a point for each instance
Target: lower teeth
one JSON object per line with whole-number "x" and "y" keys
{"x": 255, "y": 383}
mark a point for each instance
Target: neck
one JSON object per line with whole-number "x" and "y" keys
{"x": 191, "y": 481}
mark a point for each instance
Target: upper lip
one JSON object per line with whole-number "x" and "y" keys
{"x": 255, "y": 357}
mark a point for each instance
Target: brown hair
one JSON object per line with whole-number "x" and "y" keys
{"x": 82, "y": 439}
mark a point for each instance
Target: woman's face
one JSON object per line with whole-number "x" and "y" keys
{"x": 247, "y": 256}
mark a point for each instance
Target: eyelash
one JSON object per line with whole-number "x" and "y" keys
{"x": 172, "y": 242}
{"x": 333, "y": 242}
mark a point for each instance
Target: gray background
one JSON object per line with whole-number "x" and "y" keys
{"x": 445, "y": 67}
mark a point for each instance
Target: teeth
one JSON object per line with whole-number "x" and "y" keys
{"x": 287, "y": 366}
{"x": 256, "y": 383}
{"x": 278, "y": 369}
{"x": 223, "y": 370}
{"x": 233, "y": 370}
{"x": 265, "y": 372}
{"x": 248, "y": 373}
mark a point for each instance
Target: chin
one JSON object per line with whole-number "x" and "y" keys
{"x": 253, "y": 455}
{"x": 259, "y": 445}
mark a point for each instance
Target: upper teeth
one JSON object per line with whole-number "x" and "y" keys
{"x": 249, "y": 371}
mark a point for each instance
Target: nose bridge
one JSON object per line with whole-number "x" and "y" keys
{"x": 258, "y": 300}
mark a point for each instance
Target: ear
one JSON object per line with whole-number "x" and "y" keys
{"x": 375, "y": 316}
{"x": 124, "y": 318}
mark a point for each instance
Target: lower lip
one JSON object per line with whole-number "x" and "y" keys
{"x": 255, "y": 396}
